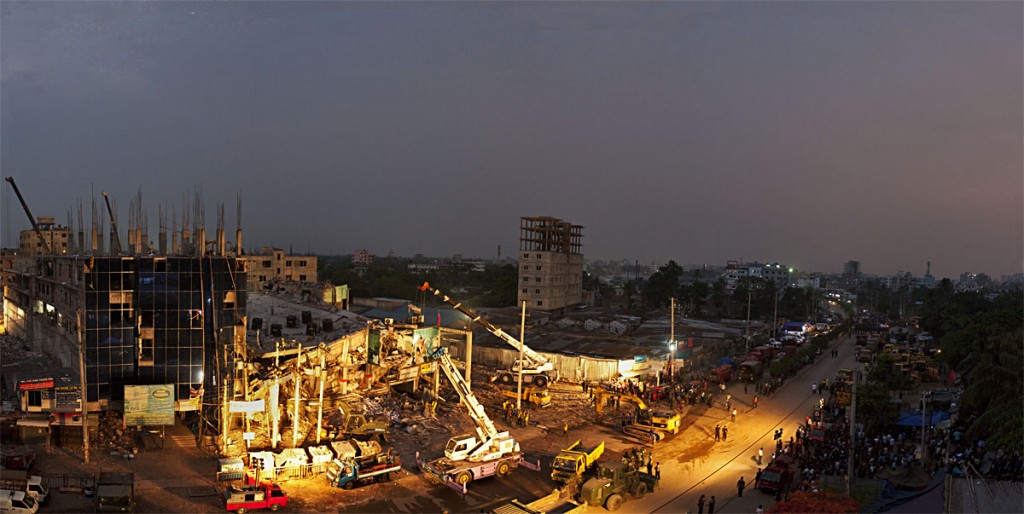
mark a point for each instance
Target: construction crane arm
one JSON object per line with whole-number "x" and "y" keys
{"x": 116, "y": 241}
{"x": 535, "y": 359}
{"x": 485, "y": 426}
{"x": 31, "y": 219}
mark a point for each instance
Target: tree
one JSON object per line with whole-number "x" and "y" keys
{"x": 661, "y": 286}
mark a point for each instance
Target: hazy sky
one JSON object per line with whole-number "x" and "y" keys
{"x": 805, "y": 133}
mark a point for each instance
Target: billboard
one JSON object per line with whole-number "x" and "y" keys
{"x": 146, "y": 405}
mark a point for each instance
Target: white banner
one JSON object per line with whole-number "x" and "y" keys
{"x": 249, "y": 407}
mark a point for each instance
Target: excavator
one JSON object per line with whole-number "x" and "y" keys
{"x": 469, "y": 457}
{"x": 661, "y": 422}
{"x": 536, "y": 368}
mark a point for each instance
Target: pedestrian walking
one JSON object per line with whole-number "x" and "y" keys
{"x": 700, "y": 505}
{"x": 814, "y": 388}
{"x": 755, "y": 401}
{"x": 734, "y": 414}
{"x": 760, "y": 455}
{"x": 739, "y": 487}
{"x": 711, "y": 505}
{"x": 725, "y": 433}
{"x": 718, "y": 431}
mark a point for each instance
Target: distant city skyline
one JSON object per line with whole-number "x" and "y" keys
{"x": 805, "y": 133}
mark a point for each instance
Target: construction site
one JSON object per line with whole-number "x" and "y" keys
{"x": 288, "y": 384}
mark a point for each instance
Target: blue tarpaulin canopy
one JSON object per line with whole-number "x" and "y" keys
{"x": 913, "y": 419}
{"x": 726, "y": 361}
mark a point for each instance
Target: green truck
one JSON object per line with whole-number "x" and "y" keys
{"x": 612, "y": 481}
{"x": 558, "y": 502}
{"x": 574, "y": 461}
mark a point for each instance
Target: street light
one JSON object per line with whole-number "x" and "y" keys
{"x": 671, "y": 357}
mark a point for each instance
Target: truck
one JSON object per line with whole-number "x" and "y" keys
{"x": 16, "y": 457}
{"x": 556, "y": 502}
{"x": 532, "y": 396}
{"x": 750, "y": 371}
{"x": 469, "y": 457}
{"x": 612, "y": 481}
{"x": 17, "y": 502}
{"x": 353, "y": 471}
{"x": 574, "y": 461}
{"x": 18, "y": 480}
{"x": 265, "y": 495}
{"x": 777, "y": 476}
{"x": 536, "y": 369}
{"x": 720, "y": 374}
{"x": 115, "y": 492}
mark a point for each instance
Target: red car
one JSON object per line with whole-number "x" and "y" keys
{"x": 266, "y": 495}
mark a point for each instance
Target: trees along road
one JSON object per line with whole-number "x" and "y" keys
{"x": 692, "y": 463}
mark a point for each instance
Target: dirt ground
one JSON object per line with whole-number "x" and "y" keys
{"x": 180, "y": 478}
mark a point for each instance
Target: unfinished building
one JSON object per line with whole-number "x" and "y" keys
{"x": 550, "y": 263}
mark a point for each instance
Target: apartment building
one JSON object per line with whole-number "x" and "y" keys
{"x": 550, "y": 263}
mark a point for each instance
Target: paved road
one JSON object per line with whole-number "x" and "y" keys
{"x": 693, "y": 463}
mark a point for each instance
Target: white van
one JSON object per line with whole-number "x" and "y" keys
{"x": 17, "y": 502}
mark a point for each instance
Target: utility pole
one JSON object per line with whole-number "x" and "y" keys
{"x": 775, "y": 317}
{"x": 747, "y": 338}
{"x": 672, "y": 338}
{"x": 321, "y": 373}
{"x": 519, "y": 383}
{"x": 853, "y": 435}
{"x": 298, "y": 381}
{"x": 274, "y": 407}
{"x": 81, "y": 384}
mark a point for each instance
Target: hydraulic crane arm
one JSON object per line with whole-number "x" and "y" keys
{"x": 536, "y": 360}
{"x": 485, "y": 427}
{"x": 31, "y": 219}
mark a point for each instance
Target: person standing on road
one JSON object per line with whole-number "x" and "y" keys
{"x": 725, "y": 433}
{"x": 734, "y": 414}
{"x": 814, "y": 388}
{"x": 760, "y": 455}
{"x": 739, "y": 487}
{"x": 565, "y": 429}
{"x": 755, "y": 402}
{"x": 745, "y": 388}
{"x": 711, "y": 505}
{"x": 700, "y": 505}
{"x": 757, "y": 479}
{"x": 718, "y": 432}
{"x": 759, "y": 510}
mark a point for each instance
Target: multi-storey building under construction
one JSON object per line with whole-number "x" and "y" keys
{"x": 550, "y": 263}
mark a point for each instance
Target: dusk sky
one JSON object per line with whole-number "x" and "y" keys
{"x": 891, "y": 133}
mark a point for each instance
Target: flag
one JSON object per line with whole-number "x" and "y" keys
{"x": 439, "y": 318}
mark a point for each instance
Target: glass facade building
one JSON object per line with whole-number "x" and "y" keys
{"x": 162, "y": 320}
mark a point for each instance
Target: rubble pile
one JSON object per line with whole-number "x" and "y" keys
{"x": 114, "y": 436}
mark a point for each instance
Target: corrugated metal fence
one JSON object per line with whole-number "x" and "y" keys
{"x": 573, "y": 368}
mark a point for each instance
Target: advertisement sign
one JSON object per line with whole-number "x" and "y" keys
{"x": 34, "y": 384}
{"x": 147, "y": 405}
{"x": 67, "y": 399}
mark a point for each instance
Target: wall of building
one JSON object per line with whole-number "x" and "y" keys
{"x": 574, "y": 368}
{"x": 273, "y": 264}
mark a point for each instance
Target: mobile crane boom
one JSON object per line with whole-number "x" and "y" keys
{"x": 536, "y": 367}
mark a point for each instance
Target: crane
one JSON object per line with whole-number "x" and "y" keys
{"x": 31, "y": 219}
{"x": 535, "y": 367}
{"x": 467, "y": 457}
{"x": 115, "y": 242}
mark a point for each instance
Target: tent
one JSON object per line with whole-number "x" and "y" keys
{"x": 914, "y": 419}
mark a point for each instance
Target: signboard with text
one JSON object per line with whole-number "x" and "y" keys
{"x": 148, "y": 405}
